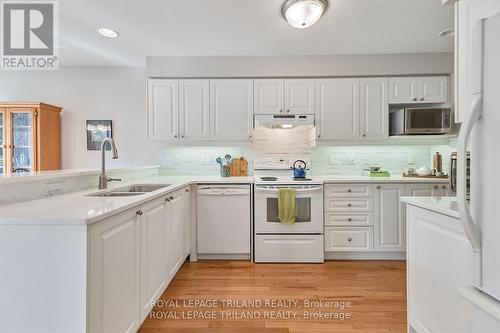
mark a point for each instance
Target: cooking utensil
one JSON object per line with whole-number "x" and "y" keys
{"x": 227, "y": 157}
{"x": 219, "y": 160}
{"x": 299, "y": 169}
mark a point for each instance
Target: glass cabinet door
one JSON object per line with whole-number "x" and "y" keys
{"x": 3, "y": 145}
{"x": 22, "y": 140}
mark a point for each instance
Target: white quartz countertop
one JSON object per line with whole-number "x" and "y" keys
{"x": 441, "y": 205}
{"x": 79, "y": 208}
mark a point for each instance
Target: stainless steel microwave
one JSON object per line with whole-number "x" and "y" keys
{"x": 410, "y": 121}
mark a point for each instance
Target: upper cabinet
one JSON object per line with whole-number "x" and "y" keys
{"x": 291, "y": 96}
{"x": 231, "y": 109}
{"x": 194, "y": 121}
{"x": 337, "y": 114}
{"x": 431, "y": 89}
{"x": 374, "y": 108}
{"x": 163, "y": 109}
{"x": 30, "y": 137}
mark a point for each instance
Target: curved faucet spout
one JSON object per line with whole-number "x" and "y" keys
{"x": 103, "y": 179}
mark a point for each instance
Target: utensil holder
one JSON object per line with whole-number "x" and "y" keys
{"x": 224, "y": 171}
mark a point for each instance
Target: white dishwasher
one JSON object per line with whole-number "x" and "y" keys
{"x": 224, "y": 221}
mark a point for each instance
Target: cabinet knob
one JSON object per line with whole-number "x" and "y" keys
{"x": 281, "y": 110}
{"x": 319, "y": 135}
{"x": 349, "y": 204}
{"x": 349, "y": 190}
{"x": 364, "y": 135}
{"x": 139, "y": 212}
{"x": 249, "y": 136}
{"x": 288, "y": 111}
{"x": 349, "y": 239}
{"x": 187, "y": 190}
{"x": 435, "y": 187}
{"x": 4, "y": 146}
{"x": 167, "y": 199}
{"x": 421, "y": 99}
{"x": 349, "y": 219}
{"x": 171, "y": 197}
{"x": 415, "y": 99}
{"x": 182, "y": 136}
{"x": 443, "y": 187}
{"x": 378, "y": 187}
{"x": 175, "y": 136}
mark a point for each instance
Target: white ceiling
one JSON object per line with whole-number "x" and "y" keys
{"x": 245, "y": 27}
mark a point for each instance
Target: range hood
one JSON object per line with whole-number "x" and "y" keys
{"x": 283, "y": 121}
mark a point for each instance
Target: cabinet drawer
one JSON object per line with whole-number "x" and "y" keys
{"x": 348, "y": 219}
{"x": 348, "y": 204}
{"x": 348, "y": 190}
{"x": 349, "y": 239}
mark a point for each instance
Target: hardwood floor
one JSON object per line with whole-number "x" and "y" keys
{"x": 376, "y": 291}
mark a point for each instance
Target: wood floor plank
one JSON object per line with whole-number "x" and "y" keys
{"x": 375, "y": 290}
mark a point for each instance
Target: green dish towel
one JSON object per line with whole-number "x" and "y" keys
{"x": 286, "y": 205}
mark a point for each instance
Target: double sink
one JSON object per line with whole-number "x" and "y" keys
{"x": 130, "y": 190}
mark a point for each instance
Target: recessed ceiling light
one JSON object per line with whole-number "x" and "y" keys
{"x": 107, "y": 32}
{"x": 302, "y": 14}
{"x": 447, "y": 32}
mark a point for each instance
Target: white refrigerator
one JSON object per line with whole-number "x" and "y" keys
{"x": 480, "y": 133}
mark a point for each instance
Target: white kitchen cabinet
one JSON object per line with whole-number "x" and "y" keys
{"x": 290, "y": 96}
{"x": 427, "y": 190}
{"x": 428, "y": 89}
{"x": 154, "y": 254}
{"x": 175, "y": 210}
{"x": 300, "y": 96}
{"x": 440, "y": 261}
{"x": 374, "y": 108}
{"x": 349, "y": 239}
{"x": 163, "y": 109}
{"x": 114, "y": 274}
{"x": 389, "y": 218}
{"x": 269, "y": 96}
{"x": 194, "y": 120}
{"x": 231, "y": 109}
{"x": 337, "y": 111}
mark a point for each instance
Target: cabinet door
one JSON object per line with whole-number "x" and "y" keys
{"x": 269, "y": 96}
{"x": 403, "y": 90}
{"x": 338, "y": 109}
{"x": 389, "y": 218}
{"x": 21, "y": 136}
{"x": 3, "y": 143}
{"x": 299, "y": 96}
{"x": 194, "y": 110}
{"x": 153, "y": 254}
{"x": 175, "y": 244}
{"x": 374, "y": 108}
{"x": 433, "y": 89}
{"x": 231, "y": 109}
{"x": 187, "y": 223}
{"x": 163, "y": 109}
{"x": 114, "y": 274}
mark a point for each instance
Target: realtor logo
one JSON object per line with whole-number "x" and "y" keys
{"x": 29, "y": 35}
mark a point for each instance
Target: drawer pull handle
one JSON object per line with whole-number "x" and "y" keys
{"x": 349, "y": 204}
{"x": 349, "y": 239}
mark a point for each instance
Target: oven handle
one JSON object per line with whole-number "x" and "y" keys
{"x": 298, "y": 190}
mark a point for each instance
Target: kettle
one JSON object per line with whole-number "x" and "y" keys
{"x": 299, "y": 169}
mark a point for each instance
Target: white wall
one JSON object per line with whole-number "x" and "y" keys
{"x": 293, "y": 66}
{"x": 86, "y": 93}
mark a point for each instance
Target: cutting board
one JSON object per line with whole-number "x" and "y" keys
{"x": 239, "y": 167}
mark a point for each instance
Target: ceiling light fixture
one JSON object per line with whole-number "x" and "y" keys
{"x": 302, "y": 14}
{"x": 107, "y": 32}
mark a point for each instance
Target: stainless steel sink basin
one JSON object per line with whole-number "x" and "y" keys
{"x": 116, "y": 194}
{"x": 127, "y": 191}
{"x": 142, "y": 188}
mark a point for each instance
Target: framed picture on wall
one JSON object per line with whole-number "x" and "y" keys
{"x": 98, "y": 130}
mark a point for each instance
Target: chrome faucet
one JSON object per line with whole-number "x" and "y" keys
{"x": 103, "y": 179}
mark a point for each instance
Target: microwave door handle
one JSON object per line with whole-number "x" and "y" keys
{"x": 470, "y": 227}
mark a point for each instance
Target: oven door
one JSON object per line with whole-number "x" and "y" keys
{"x": 427, "y": 121}
{"x": 308, "y": 205}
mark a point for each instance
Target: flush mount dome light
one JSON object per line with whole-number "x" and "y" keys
{"x": 107, "y": 32}
{"x": 303, "y": 13}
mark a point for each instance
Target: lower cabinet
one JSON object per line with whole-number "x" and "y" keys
{"x": 133, "y": 256}
{"x": 389, "y": 218}
{"x": 427, "y": 190}
{"x": 114, "y": 274}
{"x": 349, "y": 239}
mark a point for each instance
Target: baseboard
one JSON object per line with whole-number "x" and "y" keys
{"x": 223, "y": 256}
{"x": 365, "y": 255}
